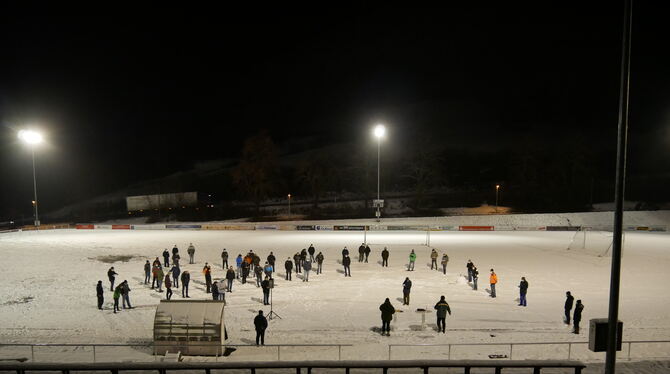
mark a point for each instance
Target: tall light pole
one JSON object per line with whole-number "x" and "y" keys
{"x": 289, "y": 206}
{"x": 380, "y": 131}
{"x": 32, "y": 138}
{"x": 497, "y": 188}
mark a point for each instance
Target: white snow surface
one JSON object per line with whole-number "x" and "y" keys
{"x": 47, "y": 293}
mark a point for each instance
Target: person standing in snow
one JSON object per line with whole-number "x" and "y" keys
{"x": 303, "y": 256}
{"x": 319, "y": 263}
{"x": 191, "y": 253}
{"x": 445, "y": 262}
{"x": 493, "y": 280}
{"x": 367, "y": 253}
{"x": 258, "y": 272}
{"x": 175, "y": 259}
{"x": 238, "y": 261}
{"x": 406, "y": 287}
{"x": 224, "y": 259}
{"x": 125, "y": 294}
{"x": 361, "y": 252}
{"x": 147, "y": 272}
{"x": 111, "y": 274}
{"x": 230, "y": 276}
{"x": 245, "y": 271}
{"x": 260, "y": 323}
{"x": 385, "y": 257}
{"x": 266, "y": 290}
{"x": 469, "y": 266}
{"x": 166, "y": 258}
{"x": 175, "y": 250}
{"x": 99, "y": 293}
{"x": 523, "y": 288}
{"x": 288, "y": 266}
{"x": 215, "y": 291}
{"x": 296, "y": 262}
{"x": 442, "y": 308}
{"x": 256, "y": 261}
{"x": 168, "y": 287}
{"x": 116, "y": 295}
{"x": 569, "y": 299}
{"x": 267, "y": 269}
{"x": 307, "y": 266}
{"x": 387, "y": 310}
{"x": 311, "y": 251}
{"x": 157, "y": 263}
{"x": 577, "y": 316}
{"x": 474, "y": 273}
{"x": 433, "y": 259}
{"x": 175, "y": 275}
{"x": 207, "y": 271}
{"x": 154, "y": 271}
{"x": 345, "y": 252}
{"x": 185, "y": 280}
{"x": 159, "y": 279}
{"x": 271, "y": 261}
{"x": 412, "y": 260}
{"x": 346, "y": 261}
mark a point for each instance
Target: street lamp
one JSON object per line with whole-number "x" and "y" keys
{"x": 32, "y": 138}
{"x": 289, "y": 206}
{"x": 497, "y": 188}
{"x": 379, "y": 132}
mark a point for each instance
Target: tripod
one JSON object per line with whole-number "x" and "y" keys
{"x": 272, "y": 313}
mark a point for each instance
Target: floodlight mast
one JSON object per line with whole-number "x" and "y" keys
{"x": 379, "y": 132}
{"x": 32, "y": 138}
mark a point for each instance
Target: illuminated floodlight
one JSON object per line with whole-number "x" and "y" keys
{"x": 30, "y": 136}
{"x": 380, "y": 130}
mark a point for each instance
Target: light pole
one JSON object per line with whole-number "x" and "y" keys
{"x": 289, "y": 206}
{"x": 32, "y": 138}
{"x": 497, "y": 188}
{"x": 380, "y": 131}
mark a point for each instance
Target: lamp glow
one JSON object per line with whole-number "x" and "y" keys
{"x": 30, "y": 137}
{"x": 380, "y": 130}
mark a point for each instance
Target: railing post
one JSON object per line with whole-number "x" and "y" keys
{"x": 389, "y": 351}
{"x": 339, "y": 353}
{"x": 449, "y": 352}
{"x": 629, "y": 347}
{"x": 32, "y": 353}
{"x": 425, "y": 370}
{"x": 569, "y": 349}
{"x": 93, "y": 353}
{"x": 511, "y": 346}
{"x": 278, "y": 355}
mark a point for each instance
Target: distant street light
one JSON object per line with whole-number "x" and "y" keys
{"x": 497, "y": 188}
{"x": 32, "y": 138}
{"x": 289, "y": 206}
{"x": 380, "y": 131}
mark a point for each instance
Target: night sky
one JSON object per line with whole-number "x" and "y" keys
{"x": 141, "y": 94}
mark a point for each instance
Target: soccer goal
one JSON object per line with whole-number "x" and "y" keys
{"x": 392, "y": 237}
{"x": 591, "y": 241}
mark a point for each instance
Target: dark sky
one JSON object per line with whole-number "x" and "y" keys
{"x": 129, "y": 96}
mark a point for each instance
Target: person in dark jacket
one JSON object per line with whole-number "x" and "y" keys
{"x": 319, "y": 263}
{"x": 207, "y": 271}
{"x": 266, "y": 290}
{"x": 469, "y": 266}
{"x": 345, "y": 252}
{"x": 523, "y": 288}
{"x": 111, "y": 274}
{"x": 125, "y": 294}
{"x": 346, "y": 262}
{"x": 168, "y": 286}
{"x": 385, "y": 257}
{"x": 577, "y": 316}
{"x": 147, "y": 272}
{"x": 296, "y": 262}
{"x": 256, "y": 260}
{"x": 361, "y": 252}
{"x": 224, "y": 259}
{"x": 245, "y": 271}
{"x": 306, "y": 266}
{"x": 271, "y": 261}
{"x": 230, "y": 276}
{"x": 367, "y": 252}
{"x": 288, "y": 265}
{"x": 569, "y": 299}
{"x": 215, "y": 291}
{"x": 260, "y": 323}
{"x": 258, "y": 272}
{"x": 406, "y": 287}
{"x": 474, "y": 273}
{"x": 175, "y": 275}
{"x": 185, "y": 280}
{"x": 157, "y": 263}
{"x": 387, "y": 310}
{"x": 311, "y": 251}
{"x": 442, "y": 308}
{"x": 166, "y": 258}
{"x": 175, "y": 259}
{"x": 175, "y": 250}
{"x": 98, "y": 291}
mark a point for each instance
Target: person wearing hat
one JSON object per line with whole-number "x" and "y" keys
{"x": 387, "y": 310}
{"x": 442, "y": 308}
{"x": 260, "y": 323}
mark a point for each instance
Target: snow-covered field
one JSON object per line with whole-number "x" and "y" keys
{"x": 47, "y": 292}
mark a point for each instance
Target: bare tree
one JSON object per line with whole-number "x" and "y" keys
{"x": 256, "y": 172}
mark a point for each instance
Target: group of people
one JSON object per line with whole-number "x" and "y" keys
{"x": 388, "y": 310}
{"x": 122, "y": 291}
{"x": 172, "y": 275}
{"x": 577, "y": 315}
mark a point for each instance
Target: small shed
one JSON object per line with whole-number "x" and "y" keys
{"x": 192, "y": 327}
